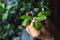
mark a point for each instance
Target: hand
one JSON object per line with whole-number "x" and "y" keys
{"x": 31, "y": 30}
{"x": 43, "y": 33}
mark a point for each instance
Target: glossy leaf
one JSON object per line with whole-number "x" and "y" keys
{"x": 41, "y": 17}
{"x": 26, "y": 17}
{"x": 25, "y": 22}
{"x": 46, "y": 13}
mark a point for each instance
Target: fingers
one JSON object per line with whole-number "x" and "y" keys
{"x": 32, "y": 31}
{"x": 27, "y": 29}
{"x": 32, "y": 23}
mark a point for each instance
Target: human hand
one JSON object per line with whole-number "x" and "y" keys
{"x": 31, "y": 29}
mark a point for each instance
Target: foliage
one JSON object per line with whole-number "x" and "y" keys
{"x": 16, "y": 13}
{"x": 41, "y": 16}
{"x": 5, "y": 25}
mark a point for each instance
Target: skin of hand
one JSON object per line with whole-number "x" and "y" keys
{"x": 31, "y": 30}
{"x": 34, "y": 33}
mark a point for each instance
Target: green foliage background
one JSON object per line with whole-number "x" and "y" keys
{"x": 14, "y": 14}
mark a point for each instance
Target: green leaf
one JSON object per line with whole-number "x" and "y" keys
{"x": 25, "y": 22}
{"x": 41, "y": 17}
{"x": 40, "y": 13}
{"x": 16, "y": 38}
{"x": 22, "y": 9}
{"x": 8, "y": 26}
{"x": 38, "y": 25}
{"x": 46, "y": 8}
{"x": 46, "y": 13}
{"x": 26, "y": 17}
{"x": 12, "y": 7}
{"x": 5, "y": 34}
{"x": 4, "y": 16}
{"x": 2, "y": 5}
{"x": 8, "y": 7}
{"x": 2, "y": 8}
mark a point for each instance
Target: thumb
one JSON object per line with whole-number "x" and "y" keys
{"x": 32, "y": 23}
